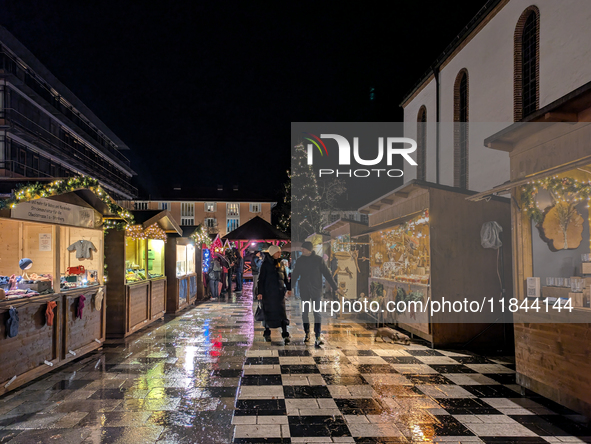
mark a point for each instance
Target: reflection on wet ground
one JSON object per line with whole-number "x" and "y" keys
{"x": 207, "y": 376}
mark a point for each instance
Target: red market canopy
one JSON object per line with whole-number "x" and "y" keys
{"x": 256, "y": 230}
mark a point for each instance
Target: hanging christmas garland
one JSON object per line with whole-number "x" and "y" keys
{"x": 564, "y": 189}
{"x": 201, "y": 237}
{"x": 154, "y": 232}
{"x": 26, "y": 193}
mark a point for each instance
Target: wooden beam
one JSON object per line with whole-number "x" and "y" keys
{"x": 557, "y": 116}
{"x": 375, "y": 206}
{"x": 364, "y": 211}
{"x": 387, "y": 201}
{"x": 403, "y": 194}
{"x": 501, "y": 146}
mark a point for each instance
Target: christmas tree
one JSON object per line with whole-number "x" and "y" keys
{"x": 306, "y": 216}
{"x": 283, "y": 210}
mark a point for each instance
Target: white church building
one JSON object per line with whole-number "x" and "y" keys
{"x": 514, "y": 58}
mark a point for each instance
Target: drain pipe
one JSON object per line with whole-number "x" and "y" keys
{"x": 435, "y": 70}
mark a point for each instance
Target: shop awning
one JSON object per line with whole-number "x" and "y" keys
{"x": 163, "y": 218}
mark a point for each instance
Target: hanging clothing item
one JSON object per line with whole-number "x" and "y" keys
{"x": 49, "y": 314}
{"x": 12, "y": 323}
{"x": 83, "y": 249}
{"x": 98, "y": 299}
{"x": 80, "y": 305}
{"x": 490, "y": 235}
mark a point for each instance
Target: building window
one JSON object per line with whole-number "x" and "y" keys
{"x": 365, "y": 218}
{"x": 526, "y": 88}
{"x": 140, "y": 205}
{"x": 232, "y": 224}
{"x": 334, "y": 218}
{"x": 187, "y": 209}
{"x": 210, "y": 222}
{"x": 187, "y": 213}
{"x": 232, "y": 209}
{"x": 164, "y": 205}
{"x": 422, "y": 144}
{"x": 209, "y": 207}
{"x": 255, "y": 207}
{"x": 461, "y": 130}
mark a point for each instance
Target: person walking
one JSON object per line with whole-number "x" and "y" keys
{"x": 309, "y": 269}
{"x": 255, "y": 265}
{"x": 215, "y": 276}
{"x": 272, "y": 288}
{"x": 239, "y": 269}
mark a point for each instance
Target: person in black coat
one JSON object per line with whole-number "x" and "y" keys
{"x": 272, "y": 287}
{"x": 309, "y": 269}
{"x": 239, "y": 269}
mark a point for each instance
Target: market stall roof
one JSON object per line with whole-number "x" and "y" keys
{"x": 163, "y": 218}
{"x": 78, "y": 196}
{"x": 341, "y": 223}
{"x": 256, "y": 229}
{"x": 564, "y": 111}
{"x": 402, "y": 193}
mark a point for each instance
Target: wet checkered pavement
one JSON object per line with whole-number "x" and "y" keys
{"x": 207, "y": 376}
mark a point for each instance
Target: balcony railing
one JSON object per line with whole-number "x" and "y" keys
{"x": 56, "y": 146}
{"x": 9, "y": 65}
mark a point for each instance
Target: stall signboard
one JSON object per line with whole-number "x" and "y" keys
{"x": 53, "y": 212}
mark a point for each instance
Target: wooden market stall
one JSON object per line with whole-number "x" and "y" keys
{"x": 349, "y": 257}
{"x": 54, "y": 245}
{"x": 425, "y": 246}
{"x": 550, "y": 187}
{"x": 136, "y": 272}
{"x": 183, "y": 260}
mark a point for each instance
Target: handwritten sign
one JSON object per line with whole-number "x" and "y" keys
{"x": 53, "y": 212}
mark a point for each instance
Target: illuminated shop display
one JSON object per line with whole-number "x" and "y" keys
{"x": 401, "y": 253}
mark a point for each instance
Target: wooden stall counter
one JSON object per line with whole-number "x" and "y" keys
{"x": 552, "y": 357}
{"x": 83, "y": 327}
{"x": 36, "y": 343}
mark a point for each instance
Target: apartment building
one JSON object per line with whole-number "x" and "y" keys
{"x": 221, "y": 210}
{"x": 46, "y": 131}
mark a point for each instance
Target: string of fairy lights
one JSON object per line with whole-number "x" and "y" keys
{"x": 137, "y": 232}
{"x": 26, "y": 193}
{"x": 200, "y": 236}
{"x": 562, "y": 189}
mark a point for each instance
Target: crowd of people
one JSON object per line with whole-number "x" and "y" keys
{"x": 273, "y": 281}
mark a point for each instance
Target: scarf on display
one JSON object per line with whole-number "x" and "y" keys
{"x": 49, "y": 312}
{"x": 80, "y": 306}
{"x": 12, "y": 323}
{"x": 98, "y": 299}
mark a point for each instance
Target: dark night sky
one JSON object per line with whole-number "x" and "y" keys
{"x": 204, "y": 92}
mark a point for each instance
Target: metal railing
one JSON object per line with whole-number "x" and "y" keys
{"x": 59, "y": 103}
{"x": 56, "y": 146}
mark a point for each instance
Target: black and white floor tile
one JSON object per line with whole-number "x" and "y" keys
{"x": 207, "y": 376}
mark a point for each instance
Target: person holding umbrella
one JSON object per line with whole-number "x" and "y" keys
{"x": 272, "y": 287}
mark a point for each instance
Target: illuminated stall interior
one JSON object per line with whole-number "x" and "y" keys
{"x": 424, "y": 245}
{"x": 137, "y": 271}
{"x": 184, "y": 285}
{"x": 348, "y": 257}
